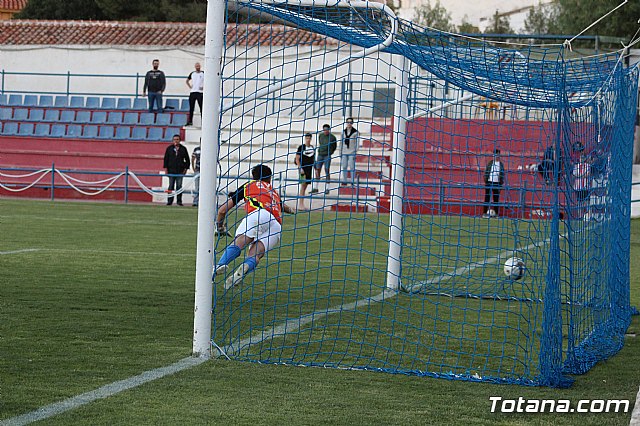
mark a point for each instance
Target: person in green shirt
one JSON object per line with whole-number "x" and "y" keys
{"x": 327, "y": 144}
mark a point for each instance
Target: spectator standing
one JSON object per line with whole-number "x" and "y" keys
{"x": 581, "y": 174}
{"x": 195, "y": 162}
{"x": 195, "y": 81}
{"x": 493, "y": 181}
{"x": 154, "y": 84}
{"x": 327, "y": 144}
{"x": 348, "y": 152}
{"x": 176, "y": 163}
{"x": 305, "y": 158}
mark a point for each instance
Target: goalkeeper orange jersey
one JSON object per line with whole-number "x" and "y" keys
{"x": 261, "y": 195}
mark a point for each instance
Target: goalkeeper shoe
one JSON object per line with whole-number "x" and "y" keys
{"x": 237, "y": 277}
{"x": 219, "y": 270}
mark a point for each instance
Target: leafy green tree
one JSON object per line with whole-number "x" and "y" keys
{"x": 63, "y": 10}
{"x": 499, "y": 24}
{"x": 576, "y": 15}
{"x": 117, "y": 10}
{"x": 543, "y": 19}
{"x": 435, "y": 16}
{"x": 467, "y": 27}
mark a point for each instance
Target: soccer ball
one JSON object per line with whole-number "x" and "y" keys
{"x": 514, "y": 268}
{"x": 492, "y": 213}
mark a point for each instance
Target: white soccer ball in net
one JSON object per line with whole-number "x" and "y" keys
{"x": 492, "y": 213}
{"x": 514, "y": 268}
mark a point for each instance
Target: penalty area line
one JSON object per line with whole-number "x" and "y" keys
{"x": 5, "y": 253}
{"x": 102, "y": 392}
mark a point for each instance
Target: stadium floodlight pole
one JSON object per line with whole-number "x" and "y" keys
{"x": 213, "y": 54}
{"x": 334, "y": 3}
{"x": 400, "y": 114}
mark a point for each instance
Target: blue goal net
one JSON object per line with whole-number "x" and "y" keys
{"x": 419, "y": 164}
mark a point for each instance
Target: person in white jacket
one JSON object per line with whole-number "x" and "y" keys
{"x": 348, "y": 152}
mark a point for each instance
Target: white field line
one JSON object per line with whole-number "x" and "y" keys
{"x": 5, "y": 253}
{"x": 102, "y": 392}
{"x": 296, "y": 323}
{"x": 288, "y": 326}
{"x": 635, "y": 415}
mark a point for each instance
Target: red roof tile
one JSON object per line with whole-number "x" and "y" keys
{"x": 112, "y": 33}
{"x": 16, "y": 5}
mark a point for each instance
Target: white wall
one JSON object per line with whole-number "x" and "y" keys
{"x": 124, "y": 60}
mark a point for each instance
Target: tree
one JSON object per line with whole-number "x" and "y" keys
{"x": 467, "y": 27}
{"x": 576, "y": 15}
{"x": 434, "y": 16}
{"x": 117, "y": 10}
{"x": 543, "y": 19}
{"x": 63, "y": 10}
{"x": 499, "y": 25}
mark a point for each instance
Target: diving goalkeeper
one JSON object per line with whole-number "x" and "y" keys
{"x": 260, "y": 229}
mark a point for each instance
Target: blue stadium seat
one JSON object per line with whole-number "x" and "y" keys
{"x": 30, "y": 100}
{"x": 81, "y": 116}
{"x": 92, "y": 102}
{"x": 15, "y": 100}
{"x": 36, "y": 114}
{"x": 20, "y": 114}
{"x": 10, "y": 129}
{"x": 115, "y": 117}
{"x": 163, "y": 119}
{"x": 61, "y": 102}
{"x": 140, "y": 104}
{"x": 123, "y": 132}
{"x": 172, "y": 104}
{"x": 3, "y": 99}
{"x": 45, "y": 101}
{"x": 58, "y": 130}
{"x": 139, "y": 133}
{"x": 130, "y": 118}
{"x": 108, "y": 103}
{"x": 184, "y": 105}
{"x": 99, "y": 117}
{"x": 68, "y": 115}
{"x": 6, "y": 113}
{"x": 74, "y": 131}
{"x": 90, "y": 131}
{"x": 178, "y": 120}
{"x": 26, "y": 129}
{"x": 106, "y": 132}
{"x": 155, "y": 134}
{"x": 77, "y": 102}
{"x": 42, "y": 129}
{"x": 169, "y": 132}
{"x": 124, "y": 103}
{"x": 52, "y": 115}
{"x": 147, "y": 118}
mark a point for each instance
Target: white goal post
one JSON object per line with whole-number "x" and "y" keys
{"x": 214, "y": 46}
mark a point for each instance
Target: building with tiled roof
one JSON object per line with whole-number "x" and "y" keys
{"x": 8, "y": 8}
{"x": 114, "y": 33}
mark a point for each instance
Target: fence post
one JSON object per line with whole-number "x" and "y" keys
{"x": 3, "y": 80}
{"x": 137, "y": 83}
{"x": 126, "y": 185}
{"x": 53, "y": 180}
{"x": 68, "y": 82}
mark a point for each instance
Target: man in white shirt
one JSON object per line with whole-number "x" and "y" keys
{"x": 195, "y": 81}
{"x": 493, "y": 181}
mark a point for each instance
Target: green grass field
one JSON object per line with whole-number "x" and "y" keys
{"x": 95, "y": 293}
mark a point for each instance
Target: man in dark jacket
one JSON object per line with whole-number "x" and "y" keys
{"x": 493, "y": 181}
{"x": 176, "y": 162}
{"x": 154, "y": 83}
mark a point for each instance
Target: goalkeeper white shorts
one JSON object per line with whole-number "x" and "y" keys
{"x": 261, "y": 226}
